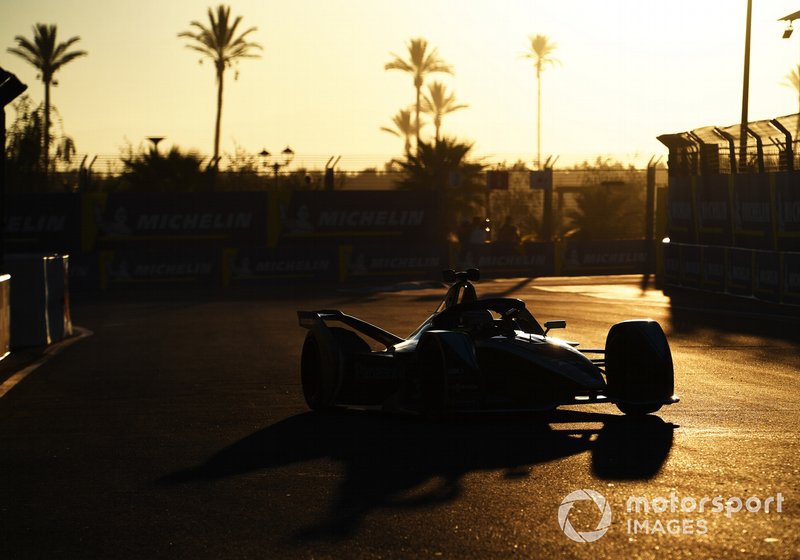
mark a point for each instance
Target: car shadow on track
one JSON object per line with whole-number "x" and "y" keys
{"x": 394, "y": 462}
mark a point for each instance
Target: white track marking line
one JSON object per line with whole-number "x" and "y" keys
{"x": 53, "y": 351}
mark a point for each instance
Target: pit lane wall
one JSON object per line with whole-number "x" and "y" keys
{"x": 241, "y": 238}
{"x": 737, "y": 234}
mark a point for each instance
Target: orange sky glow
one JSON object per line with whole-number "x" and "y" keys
{"x": 629, "y": 71}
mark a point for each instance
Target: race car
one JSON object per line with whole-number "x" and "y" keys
{"x": 480, "y": 355}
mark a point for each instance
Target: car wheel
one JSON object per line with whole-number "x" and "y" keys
{"x": 318, "y": 373}
{"x": 639, "y": 370}
{"x": 326, "y": 356}
{"x": 632, "y": 409}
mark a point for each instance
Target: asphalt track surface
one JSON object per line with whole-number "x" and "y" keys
{"x": 178, "y": 430}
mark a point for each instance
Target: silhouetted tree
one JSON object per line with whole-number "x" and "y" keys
{"x": 438, "y": 103}
{"x": 48, "y": 57}
{"x": 444, "y": 167}
{"x": 150, "y": 171}
{"x": 24, "y": 162}
{"x": 610, "y": 205}
{"x": 404, "y": 127}
{"x": 540, "y": 50}
{"x": 218, "y": 42}
{"x": 420, "y": 63}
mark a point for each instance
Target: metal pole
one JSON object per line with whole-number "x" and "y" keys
{"x": 650, "y": 213}
{"x": 745, "y": 88}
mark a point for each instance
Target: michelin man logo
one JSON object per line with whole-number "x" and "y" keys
{"x": 578, "y": 496}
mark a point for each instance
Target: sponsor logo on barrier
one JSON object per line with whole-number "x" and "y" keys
{"x": 371, "y": 218}
{"x": 36, "y": 224}
{"x": 680, "y": 211}
{"x": 361, "y": 264}
{"x": 148, "y": 223}
{"x": 302, "y": 219}
{"x": 511, "y": 260}
{"x": 204, "y": 221}
{"x": 790, "y": 212}
{"x": 711, "y": 210}
{"x": 757, "y": 212}
{"x": 122, "y": 270}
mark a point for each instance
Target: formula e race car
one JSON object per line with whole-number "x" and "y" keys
{"x": 474, "y": 355}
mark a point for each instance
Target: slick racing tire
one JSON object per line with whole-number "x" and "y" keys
{"x": 326, "y": 354}
{"x": 639, "y": 370}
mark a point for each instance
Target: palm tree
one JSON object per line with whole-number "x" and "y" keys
{"x": 446, "y": 167}
{"x": 48, "y": 57}
{"x": 218, "y": 42}
{"x": 439, "y": 102}
{"x": 420, "y": 63}
{"x": 540, "y": 50}
{"x": 404, "y": 127}
{"x": 792, "y": 80}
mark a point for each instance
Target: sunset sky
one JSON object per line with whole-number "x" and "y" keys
{"x": 630, "y": 70}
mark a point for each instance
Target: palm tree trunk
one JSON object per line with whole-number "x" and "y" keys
{"x": 46, "y": 131}
{"x": 539, "y": 115}
{"x": 220, "y": 75}
{"x": 418, "y": 85}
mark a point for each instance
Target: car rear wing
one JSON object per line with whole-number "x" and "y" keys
{"x": 314, "y": 319}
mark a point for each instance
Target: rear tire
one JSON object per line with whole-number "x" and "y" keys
{"x": 325, "y": 358}
{"x": 639, "y": 369}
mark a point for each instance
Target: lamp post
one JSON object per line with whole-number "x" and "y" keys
{"x": 745, "y": 88}
{"x": 154, "y": 140}
{"x": 267, "y": 160}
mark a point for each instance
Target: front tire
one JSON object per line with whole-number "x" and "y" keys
{"x": 639, "y": 370}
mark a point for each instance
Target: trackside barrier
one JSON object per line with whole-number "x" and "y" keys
{"x": 5, "y": 315}
{"x": 39, "y": 299}
{"x": 769, "y": 276}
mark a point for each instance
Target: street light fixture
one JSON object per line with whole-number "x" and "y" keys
{"x": 287, "y": 155}
{"x": 154, "y": 140}
{"x": 790, "y": 19}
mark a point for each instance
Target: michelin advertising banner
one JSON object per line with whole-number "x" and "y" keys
{"x": 43, "y": 223}
{"x": 604, "y": 257}
{"x": 259, "y": 265}
{"x": 127, "y": 219}
{"x": 505, "y": 260}
{"x": 142, "y": 266}
{"x": 345, "y": 216}
{"x": 392, "y": 261}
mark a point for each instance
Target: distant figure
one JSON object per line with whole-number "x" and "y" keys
{"x": 477, "y": 236}
{"x": 509, "y": 233}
